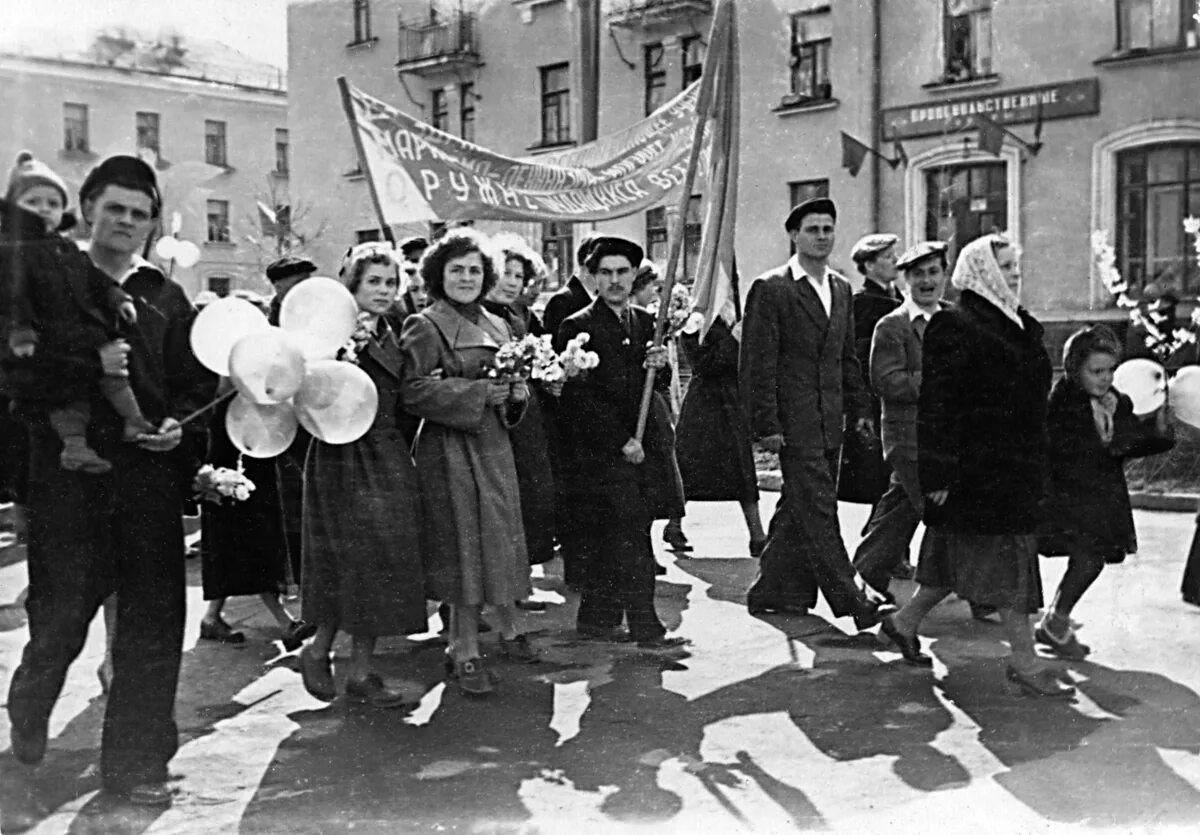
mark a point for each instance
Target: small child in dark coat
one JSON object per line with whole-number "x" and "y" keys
{"x": 1092, "y": 432}
{"x": 60, "y": 309}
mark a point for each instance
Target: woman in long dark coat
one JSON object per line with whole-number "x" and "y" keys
{"x": 529, "y": 442}
{"x": 712, "y": 442}
{"x": 245, "y": 552}
{"x": 1088, "y": 516}
{"x": 362, "y": 560}
{"x": 473, "y": 537}
{"x": 981, "y": 441}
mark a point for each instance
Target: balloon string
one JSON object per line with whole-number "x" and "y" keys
{"x": 218, "y": 401}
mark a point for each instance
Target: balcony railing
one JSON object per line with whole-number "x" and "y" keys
{"x": 447, "y": 44}
{"x": 641, "y": 13}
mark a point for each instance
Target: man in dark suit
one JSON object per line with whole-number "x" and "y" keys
{"x": 895, "y": 364}
{"x": 863, "y": 475}
{"x": 616, "y": 484}
{"x": 576, "y": 295}
{"x": 803, "y": 379}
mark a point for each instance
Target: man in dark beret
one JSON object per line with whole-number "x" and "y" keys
{"x": 803, "y": 380}
{"x": 863, "y": 475}
{"x": 616, "y": 484}
{"x": 91, "y": 537}
{"x": 284, "y": 274}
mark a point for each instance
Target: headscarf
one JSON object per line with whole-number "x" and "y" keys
{"x": 977, "y": 270}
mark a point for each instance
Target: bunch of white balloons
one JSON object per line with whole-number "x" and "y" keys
{"x": 1146, "y": 383}
{"x": 287, "y": 376}
{"x": 183, "y": 253}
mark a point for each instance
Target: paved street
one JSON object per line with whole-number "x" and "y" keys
{"x": 771, "y": 725}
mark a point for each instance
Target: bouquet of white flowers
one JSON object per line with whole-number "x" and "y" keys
{"x": 523, "y": 358}
{"x": 679, "y": 308}
{"x": 216, "y": 484}
{"x": 358, "y": 340}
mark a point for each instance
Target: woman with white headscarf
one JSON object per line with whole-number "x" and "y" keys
{"x": 982, "y": 457}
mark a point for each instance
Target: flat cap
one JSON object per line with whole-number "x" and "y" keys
{"x": 417, "y": 243}
{"x": 613, "y": 245}
{"x": 289, "y": 266}
{"x": 868, "y": 246}
{"x": 919, "y": 252}
{"x": 814, "y": 206}
{"x": 125, "y": 171}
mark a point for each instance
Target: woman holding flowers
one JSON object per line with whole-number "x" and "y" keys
{"x": 529, "y": 443}
{"x": 474, "y": 540}
{"x": 361, "y": 541}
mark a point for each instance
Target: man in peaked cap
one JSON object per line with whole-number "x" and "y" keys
{"x": 863, "y": 475}
{"x": 91, "y": 537}
{"x": 284, "y": 274}
{"x": 803, "y": 380}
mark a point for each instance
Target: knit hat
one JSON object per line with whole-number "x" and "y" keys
{"x": 27, "y": 172}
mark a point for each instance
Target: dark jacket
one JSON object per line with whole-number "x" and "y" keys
{"x": 55, "y": 300}
{"x": 871, "y": 304}
{"x": 712, "y": 439}
{"x": 799, "y": 371}
{"x": 566, "y": 301}
{"x": 981, "y": 431}
{"x": 1088, "y": 503}
{"x": 598, "y": 415}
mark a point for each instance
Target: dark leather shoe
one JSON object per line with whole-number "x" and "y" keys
{"x": 1044, "y": 684}
{"x": 518, "y": 649}
{"x": 317, "y": 675}
{"x": 472, "y": 678}
{"x": 155, "y": 795}
{"x": 869, "y": 613}
{"x": 910, "y": 648}
{"x": 615, "y": 635}
{"x": 768, "y": 607}
{"x": 28, "y": 746}
{"x": 529, "y": 605}
{"x": 219, "y": 630}
{"x": 1068, "y": 647}
{"x": 371, "y": 691}
{"x": 663, "y": 643}
{"x": 296, "y": 634}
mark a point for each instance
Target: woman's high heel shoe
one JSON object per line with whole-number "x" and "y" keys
{"x": 1044, "y": 684}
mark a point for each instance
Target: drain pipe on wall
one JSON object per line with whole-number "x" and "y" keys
{"x": 876, "y": 96}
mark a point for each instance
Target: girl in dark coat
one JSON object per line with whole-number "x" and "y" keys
{"x": 1088, "y": 517}
{"x": 712, "y": 441}
{"x": 981, "y": 440}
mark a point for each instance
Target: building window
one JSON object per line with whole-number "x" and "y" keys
{"x": 439, "y": 110}
{"x": 658, "y": 236}
{"x": 214, "y": 143}
{"x": 1157, "y": 24}
{"x": 362, "y": 21}
{"x": 812, "y": 41}
{"x": 218, "y": 221}
{"x": 220, "y": 284}
{"x": 146, "y": 125}
{"x": 466, "y": 111}
{"x": 654, "y": 77}
{"x": 556, "y": 104}
{"x": 75, "y": 127}
{"x": 693, "y": 59}
{"x": 558, "y": 251}
{"x": 1157, "y": 187}
{"x": 801, "y": 190}
{"x": 967, "y": 41}
{"x": 281, "y": 151}
{"x": 963, "y": 202}
{"x": 366, "y": 236}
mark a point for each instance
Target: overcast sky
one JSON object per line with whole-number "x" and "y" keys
{"x": 257, "y": 28}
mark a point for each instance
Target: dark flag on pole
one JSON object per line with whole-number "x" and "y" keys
{"x": 991, "y": 135}
{"x": 901, "y": 157}
{"x": 853, "y": 154}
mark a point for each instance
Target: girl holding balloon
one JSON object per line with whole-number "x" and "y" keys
{"x": 1093, "y": 430}
{"x": 362, "y": 562}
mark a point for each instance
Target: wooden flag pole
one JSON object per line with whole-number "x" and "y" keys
{"x": 704, "y": 99}
{"x": 348, "y": 106}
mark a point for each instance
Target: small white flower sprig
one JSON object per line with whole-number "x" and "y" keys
{"x": 358, "y": 340}
{"x": 216, "y": 484}
{"x": 678, "y": 310}
{"x": 1160, "y": 338}
{"x": 575, "y": 359}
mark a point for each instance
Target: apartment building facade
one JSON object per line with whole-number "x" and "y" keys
{"x": 220, "y": 147}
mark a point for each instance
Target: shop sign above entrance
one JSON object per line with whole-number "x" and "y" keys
{"x": 1060, "y": 100}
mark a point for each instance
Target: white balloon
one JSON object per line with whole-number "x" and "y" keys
{"x": 219, "y": 326}
{"x": 337, "y": 402}
{"x": 267, "y": 366}
{"x": 1184, "y": 395}
{"x": 187, "y": 254}
{"x": 1145, "y": 381}
{"x": 167, "y": 248}
{"x": 321, "y": 313}
{"x": 260, "y": 430}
